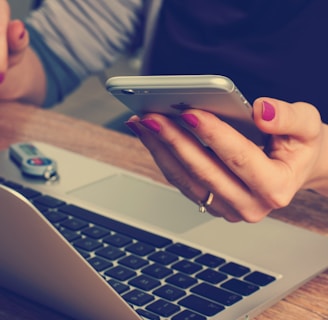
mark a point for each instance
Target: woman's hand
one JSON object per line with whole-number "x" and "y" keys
{"x": 247, "y": 182}
{"x": 21, "y": 73}
{"x": 13, "y": 40}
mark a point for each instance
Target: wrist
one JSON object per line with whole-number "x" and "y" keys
{"x": 319, "y": 180}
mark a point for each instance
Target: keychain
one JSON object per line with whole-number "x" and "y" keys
{"x": 33, "y": 162}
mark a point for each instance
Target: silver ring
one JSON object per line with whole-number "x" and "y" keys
{"x": 206, "y": 203}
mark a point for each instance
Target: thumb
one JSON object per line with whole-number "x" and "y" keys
{"x": 4, "y": 20}
{"x": 18, "y": 40}
{"x": 299, "y": 120}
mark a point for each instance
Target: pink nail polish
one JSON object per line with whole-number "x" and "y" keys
{"x": 133, "y": 127}
{"x": 190, "y": 119}
{"x": 2, "y": 77}
{"x": 151, "y": 125}
{"x": 21, "y": 36}
{"x": 268, "y": 111}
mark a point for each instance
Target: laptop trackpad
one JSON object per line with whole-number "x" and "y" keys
{"x": 144, "y": 201}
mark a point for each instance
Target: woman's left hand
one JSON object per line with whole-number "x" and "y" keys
{"x": 247, "y": 182}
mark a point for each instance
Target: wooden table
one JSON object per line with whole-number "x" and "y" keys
{"x": 26, "y": 123}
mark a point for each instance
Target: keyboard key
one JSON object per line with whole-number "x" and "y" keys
{"x": 260, "y": 278}
{"x": 211, "y": 276}
{"x": 188, "y": 315}
{"x": 74, "y": 224}
{"x": 55, "y": 216}
{"x": 157, "y": 271}
{"x": 95, "y": 232}
{"x": 100, "y": 264}
{"x": 144, "y": 282}
{"x": 183, "y": 250}
{"x": 110, "y": 253}
{"x": 117, "y": 240}
{"x": 169, "y": 292}
{"x": 84, "y": 254}
{"x": 201, "y": 305}
{"x": 49, "y": 202}
{"x": 210, "y": 260}
{"x": 69, "y": 235}
{"x": 216, "y": 294}
{"x": 240, "y": 287}
{"x": 137, "y": 297}
{"x": 133, "y": 262}
{"x": 120, "y": 273}
{"x": 119, "y": 287}
{"x": 87, "y": 244}
{"x": 12, "y": 185}
{"x": 163, "y": 257}
{"x": 234, "y": 269}
{"x": 187, "y": 267}
{"x": 41, "y": 207}
{"x": 181, "y": 280}
{"x": 29, "y": 193}
{"x": 140, "y": 248}
{"x": 163, "y": 308}
{"x": 146, "y": 315}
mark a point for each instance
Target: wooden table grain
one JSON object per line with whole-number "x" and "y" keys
{"x": 26, "y": 123}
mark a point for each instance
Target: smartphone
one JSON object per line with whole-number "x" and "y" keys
{"x": 170, "y": 95}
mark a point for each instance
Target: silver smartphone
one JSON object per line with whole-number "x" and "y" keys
{"x": 170, "y": 95}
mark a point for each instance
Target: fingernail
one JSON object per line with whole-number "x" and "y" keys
{"x": 151, "y": 125}
{"x": 133, "y": 127}
{"x": 2, "y": 77}
{"x": 268, "y": 111}
{"x": 21, "y": 36}
{"x": 190, "y": 119}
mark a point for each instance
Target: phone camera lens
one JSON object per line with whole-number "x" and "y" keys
{"x": 128, "y": 91}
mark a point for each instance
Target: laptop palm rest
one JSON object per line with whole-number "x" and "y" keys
{"x": 144, "y": 201}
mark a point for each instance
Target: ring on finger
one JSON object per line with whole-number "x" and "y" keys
{"x": 204, "y": 204}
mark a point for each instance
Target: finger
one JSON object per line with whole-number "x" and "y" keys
{"x": 277, "y": 117}
{"x": 17, "y": 36}
{"x": 4, "y": 20}
{"x": 296, "y": 129}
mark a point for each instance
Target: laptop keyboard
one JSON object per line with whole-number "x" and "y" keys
{"x": 159, "y": 278}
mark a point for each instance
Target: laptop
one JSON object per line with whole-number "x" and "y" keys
{"x": 105, "y": 243}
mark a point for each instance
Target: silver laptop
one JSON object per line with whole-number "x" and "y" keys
{"x": 105, "y": 243}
